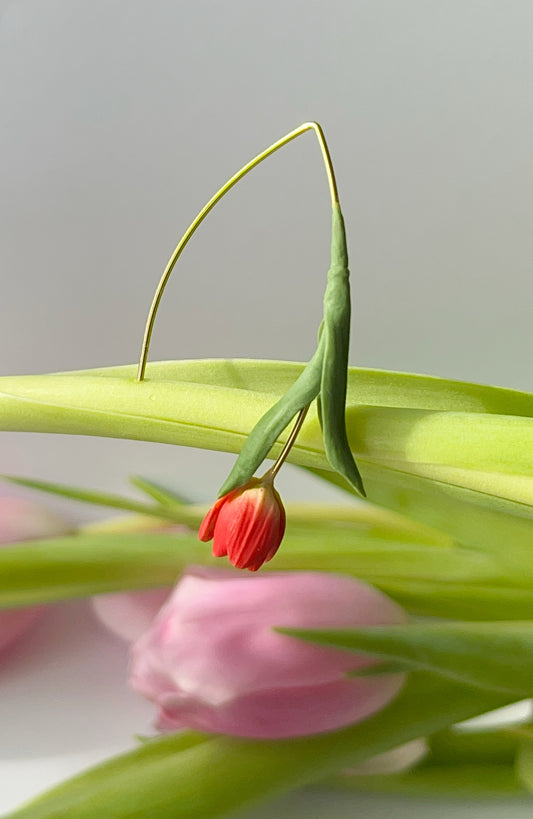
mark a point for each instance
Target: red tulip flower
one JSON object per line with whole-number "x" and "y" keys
{"x": 247, "y": 524}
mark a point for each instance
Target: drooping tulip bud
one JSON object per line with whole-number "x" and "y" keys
{"x": 20, "y": 520}
{"x": 247, "y": 524}
{"x": 212, "y": 660}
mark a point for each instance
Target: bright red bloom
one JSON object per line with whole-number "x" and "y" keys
{"x": 247, "y": 524}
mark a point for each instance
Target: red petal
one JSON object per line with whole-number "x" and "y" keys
{"x": 207, "y": 527}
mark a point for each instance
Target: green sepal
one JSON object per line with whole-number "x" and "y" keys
{"x": 335, "y": 336}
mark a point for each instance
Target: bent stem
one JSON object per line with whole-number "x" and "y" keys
{"x": 307, "y": 126}
{"x": 271, "y": 473}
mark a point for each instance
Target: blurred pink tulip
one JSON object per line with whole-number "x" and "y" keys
{"x": 212, "y": 661}
{"x": 129, "y": 614}
{"x": 20, "y": 520}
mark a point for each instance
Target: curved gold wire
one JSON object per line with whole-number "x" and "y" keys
{"x": 307, "y": 126}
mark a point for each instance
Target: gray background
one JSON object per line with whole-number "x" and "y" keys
{"x": 120, "y": 119}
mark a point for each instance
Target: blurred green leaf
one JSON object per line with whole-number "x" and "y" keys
{"x": 489, "y": 745}
{"x": 101, "y": 560}
{"x": 497, "y": 655}
{"x": 164, "y": 780}
{"x": 479, "y": 601}
{"x": 86, "y": 495}
{"x": 474, "y": 519}
{"x": 524, "y": 762}
{"x": 161, "y": 494}
{"x": 463, "y": 781}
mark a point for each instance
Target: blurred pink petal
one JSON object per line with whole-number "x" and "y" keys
{"x": 129, "y": 614}
{"x": 212, "y": 661}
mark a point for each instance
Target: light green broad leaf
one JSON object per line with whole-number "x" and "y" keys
{"x": 473, "y": 518}
{"x": 479, "y": 448}
{"x": 173, "y": 778}
{"x": 455, "y": 456}
{"x": 365, "y": 386}
{"x": 494, "y": 655}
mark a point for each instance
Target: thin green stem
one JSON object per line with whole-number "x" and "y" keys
{"x": 307, "y": 126}
{"x": 271, "y": 473}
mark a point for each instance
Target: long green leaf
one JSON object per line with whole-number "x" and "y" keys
{"x": 222, "y": 775}
{"x": 476, "y": 519}
{"x": 119, "y": 556}
{"x": 477, "y": 601}
{"x": 215, "y": 416}
{"x": 495, "y": 655}
{"x": 90, "y": 496}
{"x": 161, "y": 494}
{"x": 365, "y": 386}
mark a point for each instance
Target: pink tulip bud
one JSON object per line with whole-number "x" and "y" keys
{"x": 22, "y": 519}
{"x": 212, "y": 660}
{"x": 247, "y": 524}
